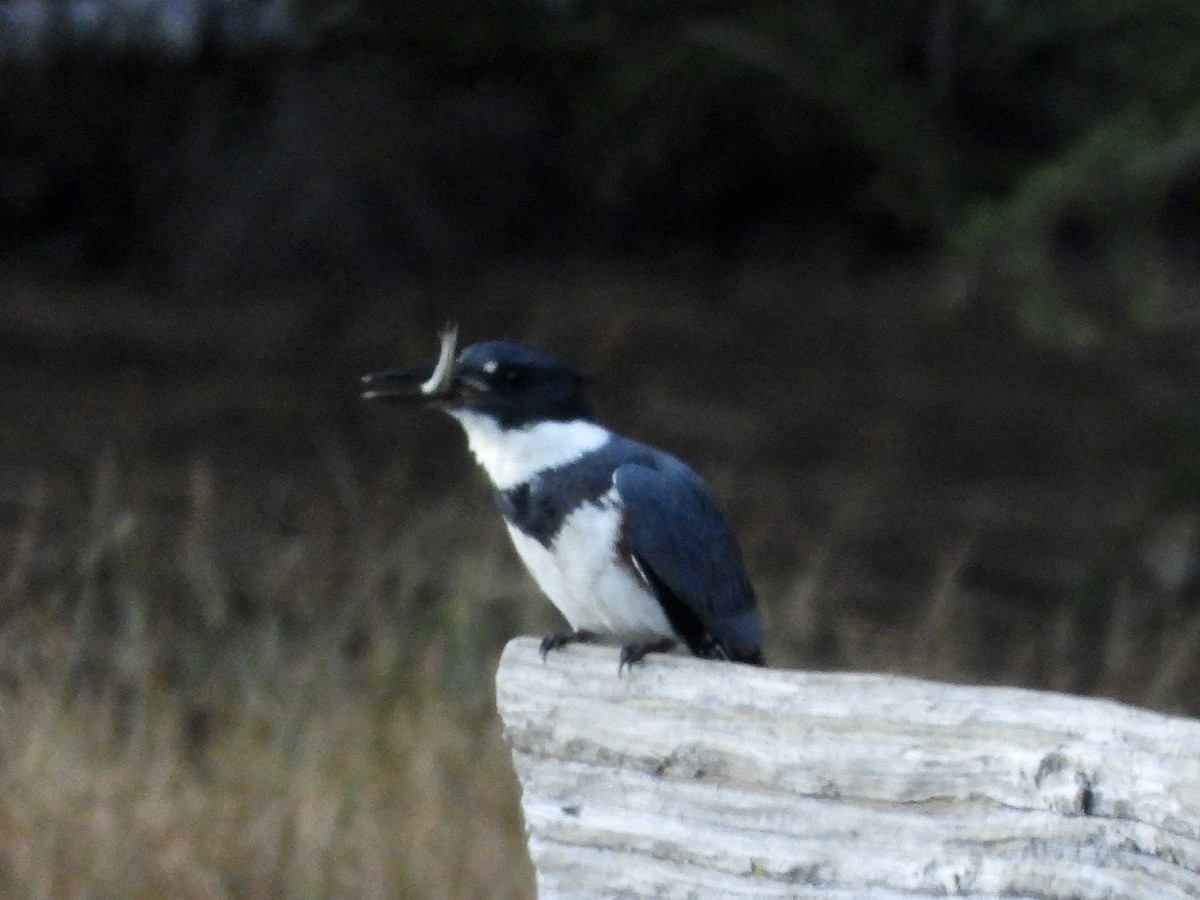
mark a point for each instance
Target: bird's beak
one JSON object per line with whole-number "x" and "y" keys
{"x": 419, "y": 384}
{"x": 397, "y": 385}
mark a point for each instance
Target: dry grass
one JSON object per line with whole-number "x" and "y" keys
{"x": 153, "y": 746}
{"x": 295, "y": 792}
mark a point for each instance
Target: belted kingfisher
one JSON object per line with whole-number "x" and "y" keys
{"x": 627, "y": 541}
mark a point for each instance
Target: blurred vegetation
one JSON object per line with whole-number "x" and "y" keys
{"x": 193, "y": 709}
{"x": 950, "y": 119}
{"x": 1009, "y": 133}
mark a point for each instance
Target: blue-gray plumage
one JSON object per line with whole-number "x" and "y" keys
{"x": 682, "y": 546}
{"x": 626, "y": 540}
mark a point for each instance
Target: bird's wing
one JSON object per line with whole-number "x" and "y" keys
{"x": 681, "y": 546}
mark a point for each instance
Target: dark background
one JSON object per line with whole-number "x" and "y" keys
{"x": 913, "y": 284}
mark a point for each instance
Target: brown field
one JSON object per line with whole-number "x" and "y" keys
{"x": 249, "y": 626}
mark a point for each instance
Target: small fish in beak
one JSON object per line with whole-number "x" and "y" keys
{"x": 443, "y": 373}
{"x": 434, "y": 382}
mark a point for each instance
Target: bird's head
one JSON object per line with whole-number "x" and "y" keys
{"x": 513, "y": 385}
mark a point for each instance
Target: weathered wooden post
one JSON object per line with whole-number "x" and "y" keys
{"x": 697, "y": 779}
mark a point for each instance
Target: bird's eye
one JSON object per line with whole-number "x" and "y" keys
{"x": 514, "y": 377}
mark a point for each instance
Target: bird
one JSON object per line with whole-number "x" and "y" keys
{"x": 626, "y": 540}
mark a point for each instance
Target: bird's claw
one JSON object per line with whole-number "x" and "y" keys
{"x": 560, "y": 639}
{"x": 632, "y": 654}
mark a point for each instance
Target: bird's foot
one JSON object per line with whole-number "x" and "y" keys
{"x": 632, "y": 654}
{"x": 561, "y": 638}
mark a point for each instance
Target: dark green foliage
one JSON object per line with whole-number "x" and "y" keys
{"x": 939, "y": 111}
{"x": 1010, "y": 131}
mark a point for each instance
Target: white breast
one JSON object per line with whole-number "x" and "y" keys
{"x": 581, "y": 574}
{"x": 514, "y": 455}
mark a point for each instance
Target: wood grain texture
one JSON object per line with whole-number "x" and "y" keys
{"x": 698, "y": 779}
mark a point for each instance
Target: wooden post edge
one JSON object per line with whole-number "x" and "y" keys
{"x": 689, "y": 778}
